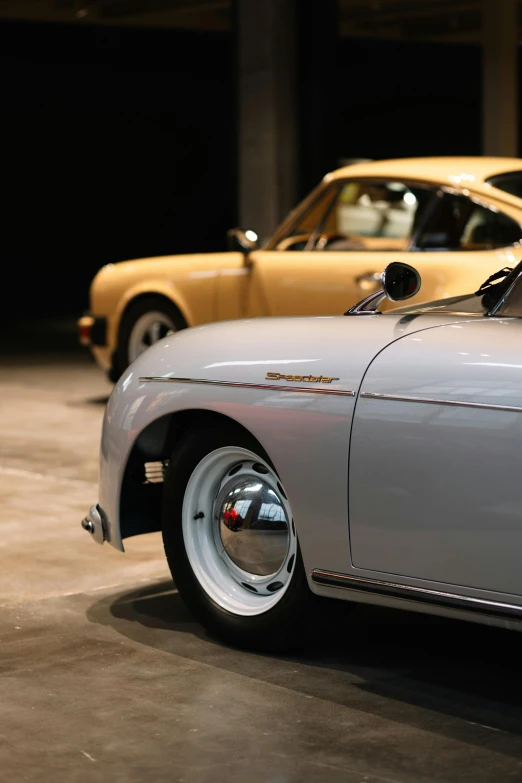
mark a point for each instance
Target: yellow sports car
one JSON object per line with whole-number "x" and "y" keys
{"x": 462, "y": 217}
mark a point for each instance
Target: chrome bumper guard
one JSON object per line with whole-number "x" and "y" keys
{"x": 94, "y": 524}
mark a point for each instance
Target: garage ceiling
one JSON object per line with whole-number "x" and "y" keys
{"x": 191, "y": 14}
{"x": 413, "y": 20}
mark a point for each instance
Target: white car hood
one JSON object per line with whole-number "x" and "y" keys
{"x": 338, "y": 347}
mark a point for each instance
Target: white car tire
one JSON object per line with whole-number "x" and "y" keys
{"x": 231, "y": 542}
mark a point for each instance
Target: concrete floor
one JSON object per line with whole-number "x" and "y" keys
{"x": 104, "y": 676}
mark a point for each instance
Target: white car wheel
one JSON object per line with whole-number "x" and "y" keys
{"x": 148, "y": 329}
{"x": 231, "y": 542}
{"x": 238, "y": 531}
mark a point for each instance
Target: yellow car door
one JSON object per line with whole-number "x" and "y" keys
{"x": 332, "y": 255}
{"x": 312, "y": 283}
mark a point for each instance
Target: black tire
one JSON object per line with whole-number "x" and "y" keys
{"x": 285, "y": 626}
{"x": 135, "y": 310}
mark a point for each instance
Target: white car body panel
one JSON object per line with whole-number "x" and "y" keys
{"x": 444, "y": 483}
{"x": 302, "y": 432}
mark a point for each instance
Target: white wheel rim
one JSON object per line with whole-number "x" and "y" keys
{"x": 210, "y": 489}
{"x": 147, "y": 330}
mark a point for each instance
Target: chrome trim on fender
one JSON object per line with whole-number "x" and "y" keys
{"x": 432, "y": 401}
{"x": 418, "y": 594}
{"x": 270, "y": 387}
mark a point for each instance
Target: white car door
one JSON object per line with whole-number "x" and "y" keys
{"x": 435, "y": 476}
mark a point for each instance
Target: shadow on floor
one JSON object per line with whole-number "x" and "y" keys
{"x": 102, "y": 401}
{"x": 453, "y": 678}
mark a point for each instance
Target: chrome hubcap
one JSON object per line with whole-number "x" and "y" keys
{"x": 147, "y": 330}
{"x": 238, "y": 531}
{"x": 253, "y": 526}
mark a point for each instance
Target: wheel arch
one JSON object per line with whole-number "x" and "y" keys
{"x": 160, "y": 296}
{"x": 142, "y": 485}
{"x": 118, "y": 326}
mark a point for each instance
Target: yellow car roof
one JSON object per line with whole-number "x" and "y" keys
{"x": 465, "y": 172}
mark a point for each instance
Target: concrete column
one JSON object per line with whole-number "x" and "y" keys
{"x": 265, "y": 32}
{"x": 318, "y": 89}
{"x": 500, "y": 94}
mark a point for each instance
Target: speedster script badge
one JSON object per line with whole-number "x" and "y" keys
{"x": 276, "y": 376}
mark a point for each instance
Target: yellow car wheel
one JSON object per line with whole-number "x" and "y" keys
{"x": 145, "y": 322}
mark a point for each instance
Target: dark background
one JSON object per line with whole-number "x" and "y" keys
{"x": 122, "y": 143}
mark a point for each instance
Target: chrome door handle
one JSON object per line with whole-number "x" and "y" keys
{"x": 368, "y": 279}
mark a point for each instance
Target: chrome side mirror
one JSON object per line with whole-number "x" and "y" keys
{"x": 400, "y": 281}
{"x": 244, "y": 241}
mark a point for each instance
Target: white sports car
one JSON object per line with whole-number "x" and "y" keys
{"x": 369, "y": 457}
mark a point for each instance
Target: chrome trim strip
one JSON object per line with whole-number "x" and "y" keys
{"x": 270, "y": 387}
{"x": 432, "y": 401}
{"x": 422, "y": 594}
